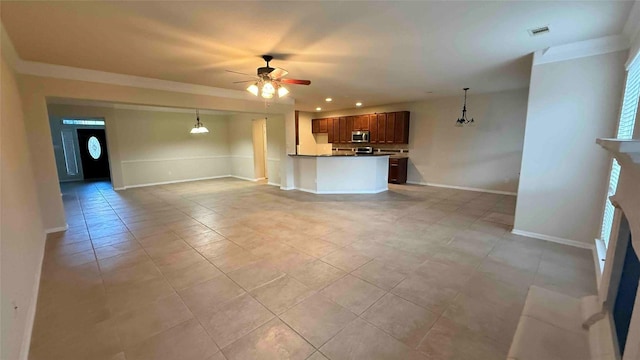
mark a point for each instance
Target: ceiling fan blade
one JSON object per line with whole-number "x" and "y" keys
{"x": 245, "y": 81}
{"x": 241, "y": 73}
{"x": 278, "y": 73}
{"x": 295, "y": 81}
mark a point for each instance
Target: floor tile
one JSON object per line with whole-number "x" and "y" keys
{"x": 185, "y": 341}
{"x": 272, "y": 341}
{"x": 281, "y": 294}
{"x": 440, "y": 252}
{"x": 346, "y": 260}
{"x": 317, "y": 319}
{"x": 235, "y": 319}
{"x": 401, "y": 319}
{"x": 255, "y": 275}
{"x": 379, "y": 274}
{"x": 359, "y": 340}
{"x": 317, "y": 274}
{"x": 353, "y": 293}
{"x": 450, "y": 341}
{"x": 205, "y": 298}
{"x": 139, "y": 324}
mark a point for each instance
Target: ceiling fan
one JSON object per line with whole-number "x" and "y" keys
{"x": 269, "y": 81}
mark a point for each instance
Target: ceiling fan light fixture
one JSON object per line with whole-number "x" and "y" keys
{"x": 358, "y": 104}
{"x": 268, "y": 90}
{"x": 253, "y": 88}
{"x": 282, "y": 91}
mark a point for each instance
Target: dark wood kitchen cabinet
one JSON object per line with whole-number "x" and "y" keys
{"x": 330, "y": 130}
{"x": 373, "y": 129}
{"x": 401, "y": 128}
{"x": 390, "y": 129}
{"x": 344, "y": 137}
{"x": 384, "y": 128}
{"x": 319, "y": 126}
{"x": 361, "y": 123}
{"x": 398, "y": 170}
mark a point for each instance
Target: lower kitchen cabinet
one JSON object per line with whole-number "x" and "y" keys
{"x": 398, "y": 170}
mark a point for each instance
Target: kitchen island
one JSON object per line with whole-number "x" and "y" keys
{"x": 341, "y": 174}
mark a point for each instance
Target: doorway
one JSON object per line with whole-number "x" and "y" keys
{"x": 260, "y": 149}
{"x": 93, "y": 153}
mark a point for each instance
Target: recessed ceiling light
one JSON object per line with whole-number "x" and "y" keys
{"x": 358, "y": 104}
{"x": 328, "y": 99}
{"x": 318, "y": 108}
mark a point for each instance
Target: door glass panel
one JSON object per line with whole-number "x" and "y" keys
{"x": 94, "y": 147}
{"x": 68, "y": 149}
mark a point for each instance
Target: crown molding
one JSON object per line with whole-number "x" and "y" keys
{"x": 73, "y": 73}
{"x": 580, "y": 49}
{"x": 118, "y": 106}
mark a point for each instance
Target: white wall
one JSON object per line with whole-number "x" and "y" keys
{"x": 564, "y": 174}
{"x": 241, "y": 145}
{"x": 21, "y": 230}
{"x": 158, "y": 146}
{"x": 310, "y": 143}
{"x": 148, "y": 147}
{"x": 486, "y": 156}
{"x": 276, "y": 149}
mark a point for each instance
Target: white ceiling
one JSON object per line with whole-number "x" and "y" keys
{"x": 374, "y": 52}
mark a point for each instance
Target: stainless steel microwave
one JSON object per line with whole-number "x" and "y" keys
{"x": 360, "y": 137}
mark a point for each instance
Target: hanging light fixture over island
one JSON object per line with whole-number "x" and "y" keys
{"x": 198, "y": 128}
{"x": 463, "y": 120}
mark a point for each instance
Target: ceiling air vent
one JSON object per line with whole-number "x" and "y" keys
{"x": 538, "y": 31}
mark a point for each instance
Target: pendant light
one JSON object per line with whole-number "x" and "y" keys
{"x": 198, "y": 127}
{"x": 463, "y": 120}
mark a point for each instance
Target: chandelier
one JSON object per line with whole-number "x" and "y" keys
{"x": 198, "y": 128}
{"x": 463, "y": 120}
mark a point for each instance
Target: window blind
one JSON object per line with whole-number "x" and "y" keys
{"x": 69, "y": 151}
{"x": 625, "y": 131}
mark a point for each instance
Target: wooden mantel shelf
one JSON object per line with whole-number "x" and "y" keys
{"x": 622, "y": 149}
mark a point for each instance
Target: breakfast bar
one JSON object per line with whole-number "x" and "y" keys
{"x": 341, "y": 174}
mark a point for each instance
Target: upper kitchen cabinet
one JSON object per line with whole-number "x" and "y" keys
{"x": 319, "y": 126}
{"x": 330, "y": 132}
{"x": 401, "y": 128}
{"x": 361, "y": 123}
{"x": 384, "y": 128}
{"x": 373, "y": 129}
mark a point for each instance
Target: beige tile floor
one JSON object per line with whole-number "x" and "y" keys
{"x": 229, "y": 269}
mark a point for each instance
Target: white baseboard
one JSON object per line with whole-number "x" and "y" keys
{"x": 31, "y": 310}
{"x": 341, "y": 192}
{"x": 554, "y": 239}
{"x": 57, "y": 229}
{"x": 244, "y": 178}
{"x": 287, "y": 188}
{"x": 463, "y": 188}
{"x": 173, "y": 182}
{"x": 273, "y": 184}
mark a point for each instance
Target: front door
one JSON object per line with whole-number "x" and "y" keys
{"x": 93, "y": 153}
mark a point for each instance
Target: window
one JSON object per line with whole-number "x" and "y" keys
{"x": 95, "y": 149}
{"x": 68, "y": 148}
{"x": 82, "y": 122}
{"x": 625, "y": 131}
